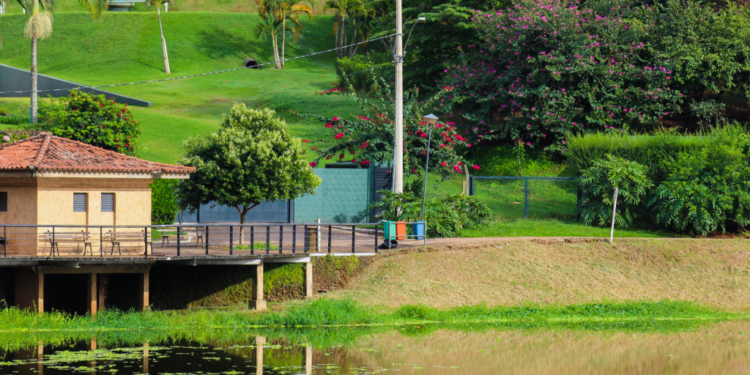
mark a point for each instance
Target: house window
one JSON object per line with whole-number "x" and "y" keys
{"x": 79, "y": 202}
{"x": 3, "y": 201}
{"x": 108, "y": 202}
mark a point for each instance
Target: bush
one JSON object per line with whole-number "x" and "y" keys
{"x": 707, "y": 188}
{"x": 14, "y": 120}
{"x": 543, "y": 70}
{"x": 702, "y": 182}
{"x": 446, "y": 216}
{"x": 598, "y": 184}
{"x": 91, "y": 119}
{"x": 164, "y": 205}
{"x": 359, "y": 72}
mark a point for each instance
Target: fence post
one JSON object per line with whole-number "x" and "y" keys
{"x": 207, "y": 239}
{"x": 252, "y": 239}
{"x": 307, "y": 241}
{"x": 294, "y": 239}
{"x": 268, "y": 239}
{"x": 354, "y": 235}
{"x": 53, "y": 243}
{"x": 179, "y": 234}
{"x": 330, "y": 229}
{"x": 231, "y": 239}
{"x": 145, "y": 242}
{"x": 526, "y": 197}
{"x": 5, "y": 240}
{"x": 376, "y": 237}
{"x": 471, "y": 187}
{"x": 281, "y": 239}
{"x": 101, "y": 242}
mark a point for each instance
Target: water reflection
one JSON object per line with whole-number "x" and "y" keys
{"x": 719, "y": 348}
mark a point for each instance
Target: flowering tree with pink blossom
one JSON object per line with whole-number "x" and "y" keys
{"x": 550, "y": 67}
{"x": 369, "y": 138}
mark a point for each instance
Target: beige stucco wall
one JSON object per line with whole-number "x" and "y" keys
{"x": 49, "y": 201}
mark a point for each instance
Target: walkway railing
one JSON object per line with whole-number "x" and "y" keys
{"x": 186, "y": 240}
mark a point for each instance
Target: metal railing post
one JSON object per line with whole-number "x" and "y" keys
{"x": 307, "y": 241}
{"x": 471, "y": 187}
{"x": 268, "y": 239}
{"x": 354, "y": 235}
{"x": 101, "y": 242}
{"x": 179, "y": 234}
{"x": 145, "y": 242}
{"x": 330, "y": 229}
{"x": 376, "y": 237}
{"x": 5, "y": 240}
{"x": 252, "y": 239}
{"x": 294, "y": 239}
{"x": 526, "y": 197}
{"x": 281, "y": 239}
{"x": 53, "y": 243}
{"x": 231, "y": 240}
{"x": 206, "y": 239}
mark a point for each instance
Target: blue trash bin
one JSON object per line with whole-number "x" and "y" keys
{"x": 419, "y": 230}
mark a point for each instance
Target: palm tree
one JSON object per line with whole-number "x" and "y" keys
{"x": 39, "y": 26}
{"x": 268, "y": 28}
{"x": 159, "y": 3}
{"x": 281, "y": 11}
{"x": 359, "y": 13}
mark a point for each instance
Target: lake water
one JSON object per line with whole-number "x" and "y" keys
{"x": 711, "y": 348}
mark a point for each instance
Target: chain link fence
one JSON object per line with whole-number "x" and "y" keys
{"x": 540, "y": 198}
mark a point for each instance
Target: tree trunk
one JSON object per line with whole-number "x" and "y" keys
{"x": 276, "y": 50}
{"x": 34, "y": 102}
{"x": 283, "y": 38}
{"x": 163, "y": 43}
{"x": 340, "y": 38}
{"x": 353, "y": 49}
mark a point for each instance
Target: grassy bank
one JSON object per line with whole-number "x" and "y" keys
{"x": 520, "y": 272}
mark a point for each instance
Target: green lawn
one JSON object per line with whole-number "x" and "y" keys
{"x": 125, "y": 47}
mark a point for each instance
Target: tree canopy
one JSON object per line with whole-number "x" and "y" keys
{"x": 252, "y": 158}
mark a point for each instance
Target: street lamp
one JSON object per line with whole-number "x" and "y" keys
{"x": 430, "y": 120}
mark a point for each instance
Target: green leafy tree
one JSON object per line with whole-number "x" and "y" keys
{"x": 276, "y": 14}
{"x": 252, "y": 158}
{"x": 598, "y": 185}
{"x": 369, "y": 138}
{"x": 542, "y": 71}
{"x": 164, "y": 204}
{"x": 92, "y": 119}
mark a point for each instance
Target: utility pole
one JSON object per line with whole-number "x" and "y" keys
{"x": 398, "y": 151}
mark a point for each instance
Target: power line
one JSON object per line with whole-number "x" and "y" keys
{"x": 200, "y": 74}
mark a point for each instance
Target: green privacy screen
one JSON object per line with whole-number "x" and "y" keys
{"x": 342, "y": 197}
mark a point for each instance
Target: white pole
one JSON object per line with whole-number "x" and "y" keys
{"x": 318, "y": 249}
{"x": 614, "y": 214}
{"x": 398, "y": 167}
{"x": 166, "y": 7}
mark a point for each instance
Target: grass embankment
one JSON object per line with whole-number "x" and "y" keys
{"x": 125, "y": 47}
{"x": 522, "y": 272}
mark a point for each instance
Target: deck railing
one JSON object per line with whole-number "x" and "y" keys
{"x": 187, "y": 240}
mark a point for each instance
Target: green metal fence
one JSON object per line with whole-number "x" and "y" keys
{"x": 513, "y": 198}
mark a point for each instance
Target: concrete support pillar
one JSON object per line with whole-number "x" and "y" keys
{"x": 101, "y": 295}
{"x": 92, "y": 292}
{"x": 260, "y": 342}
{"x": 143, "y": 292}
{"x": 258, "y": 301}
{"x": 309, "y": 283}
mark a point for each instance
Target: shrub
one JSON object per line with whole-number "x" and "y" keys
{"x": 707, "y": 187}
{"x": 14, "y": 120}
{"x": 91, "y": 119}
{"x": 164, "y": 205}
{"x": 446, "y": 216}
{"x": 543, "y": 70}
{"x": 358, "y": 72}
{"x": 598, "y": 184}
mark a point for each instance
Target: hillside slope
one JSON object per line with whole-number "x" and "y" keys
{"x": 125, "y": 47}
{"x": 523, "y": 272}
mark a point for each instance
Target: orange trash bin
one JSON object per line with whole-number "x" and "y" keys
{"x": 400, "y": 230}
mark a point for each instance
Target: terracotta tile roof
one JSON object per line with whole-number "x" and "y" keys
{"x": 46, "y": 152}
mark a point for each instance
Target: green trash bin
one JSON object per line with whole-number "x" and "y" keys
{"x": 389, "y": 230}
